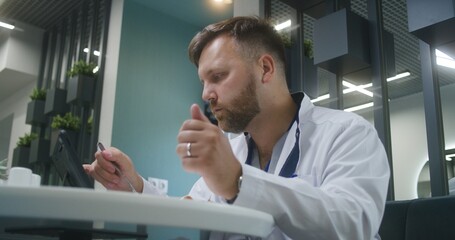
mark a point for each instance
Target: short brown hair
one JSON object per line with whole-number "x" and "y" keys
{"x": 252, "y": 33}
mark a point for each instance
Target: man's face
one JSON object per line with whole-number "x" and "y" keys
{"x": 229, "y": 84}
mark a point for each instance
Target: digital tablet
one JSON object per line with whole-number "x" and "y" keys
{"x": 68, "y": 163}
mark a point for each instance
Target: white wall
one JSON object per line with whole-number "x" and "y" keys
{"x": 3, "y": 48}
{"x": 20, "y": 51}
{"x": 16, "y": 104}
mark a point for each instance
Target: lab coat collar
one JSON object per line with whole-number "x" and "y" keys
{"x": 304, "y": 105}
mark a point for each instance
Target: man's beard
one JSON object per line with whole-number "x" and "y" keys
{"x": 236, "y": 117}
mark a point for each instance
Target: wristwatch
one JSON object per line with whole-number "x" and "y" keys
{"x": 239, "y": 184}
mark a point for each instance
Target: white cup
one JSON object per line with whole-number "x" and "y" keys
{"x": 36, "y": 180}
{"x": 19, "y": 176}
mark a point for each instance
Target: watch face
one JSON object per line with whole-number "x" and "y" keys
{"x": 208, "y": 113}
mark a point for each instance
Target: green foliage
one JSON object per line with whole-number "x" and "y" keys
{"x": 307, "y": 45}
{"x": 26, "y": 140}
{"x": 286, "y": 39}
{"x": 38, "y": 94}
{"x": 82, "y": 68}
{"x": 308, "y": 48}
{"x": 67, "y": 122}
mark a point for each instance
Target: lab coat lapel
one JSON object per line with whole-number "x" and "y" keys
{"x": 287, "y": 148}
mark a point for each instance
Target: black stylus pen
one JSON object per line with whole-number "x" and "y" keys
{"x": 117, "y": 169}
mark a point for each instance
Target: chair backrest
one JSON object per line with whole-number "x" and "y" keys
{"x": 431, "y": 218}
{"x": 393, "y": 226}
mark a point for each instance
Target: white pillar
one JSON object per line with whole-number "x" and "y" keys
{"x": 110, "y": 72}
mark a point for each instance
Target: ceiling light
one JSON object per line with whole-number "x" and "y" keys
{"x": 442, "y": 54}
{"x": 445, "y": 60}
{"x": 398, "y": 76}
{"x": 359, "y": 107}
{"x": 361, "y": 88}
{"x": 283, "y": 25}
{"x": 352, "y": 87}
{"x": 6, "y": 25}
{"x": 223, "y": 1}
{"x": 450, "y": 156}
{"x": 95, "y": 52}
{"x": 320, "y": 98}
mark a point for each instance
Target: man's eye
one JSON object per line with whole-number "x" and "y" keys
{"x": 218, "y": 76}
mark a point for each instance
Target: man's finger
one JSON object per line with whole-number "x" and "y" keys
{"x": 87, "y": 168}
{"x": 197, "y": 114}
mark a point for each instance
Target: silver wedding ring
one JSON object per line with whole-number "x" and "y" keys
{"x": 188, "y": 149}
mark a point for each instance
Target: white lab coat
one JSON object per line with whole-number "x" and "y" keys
{"x": 342, "y": 181}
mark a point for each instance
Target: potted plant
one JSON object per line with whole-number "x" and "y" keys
{"x": 39, "y": 151}
{"x": 56, "y": 101}
{"x": 68, "y": 122}
{"x": 293, "y": 62}
{"x": 22, "y": 151}
{"x": 286, "y": 39}
{"x": 298, "y": 81}
{"x": 308, "y": 48}
{"x": 35, "y": 108}
{"x": 436, "y": 28}
{"x": 341, "y": 42}
{"x": 81, "y": 83}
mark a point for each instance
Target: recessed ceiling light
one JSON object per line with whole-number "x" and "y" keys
{"x": 398, "y": 76}
{"x": 283, "y": 25}
{"x": 359, "y": 107}
{"x": 223, "y": 1}
{"x": 6, "y": 25}
{"x": 95, "y": 52}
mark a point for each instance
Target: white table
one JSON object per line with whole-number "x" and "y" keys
{"x": 63, "y": 203}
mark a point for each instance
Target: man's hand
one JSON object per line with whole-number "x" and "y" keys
{"x": 211, "y": 154}
{"x": 103, "y": 170}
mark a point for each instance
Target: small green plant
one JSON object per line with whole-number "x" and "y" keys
{"x": 286, "y": 39}
{"x": 307, "y": 45}
{"x": 308, "y": 48}
{"x": 67, "y": 122}
{"x": 82, "y": 68}
{"x": 38, "y": 94}
{"x": 26, "y": 140}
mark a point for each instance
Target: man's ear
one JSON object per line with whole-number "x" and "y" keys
{"x": 267, "y": 64}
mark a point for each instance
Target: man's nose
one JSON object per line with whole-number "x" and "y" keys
{"x": 208, "y": 93}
